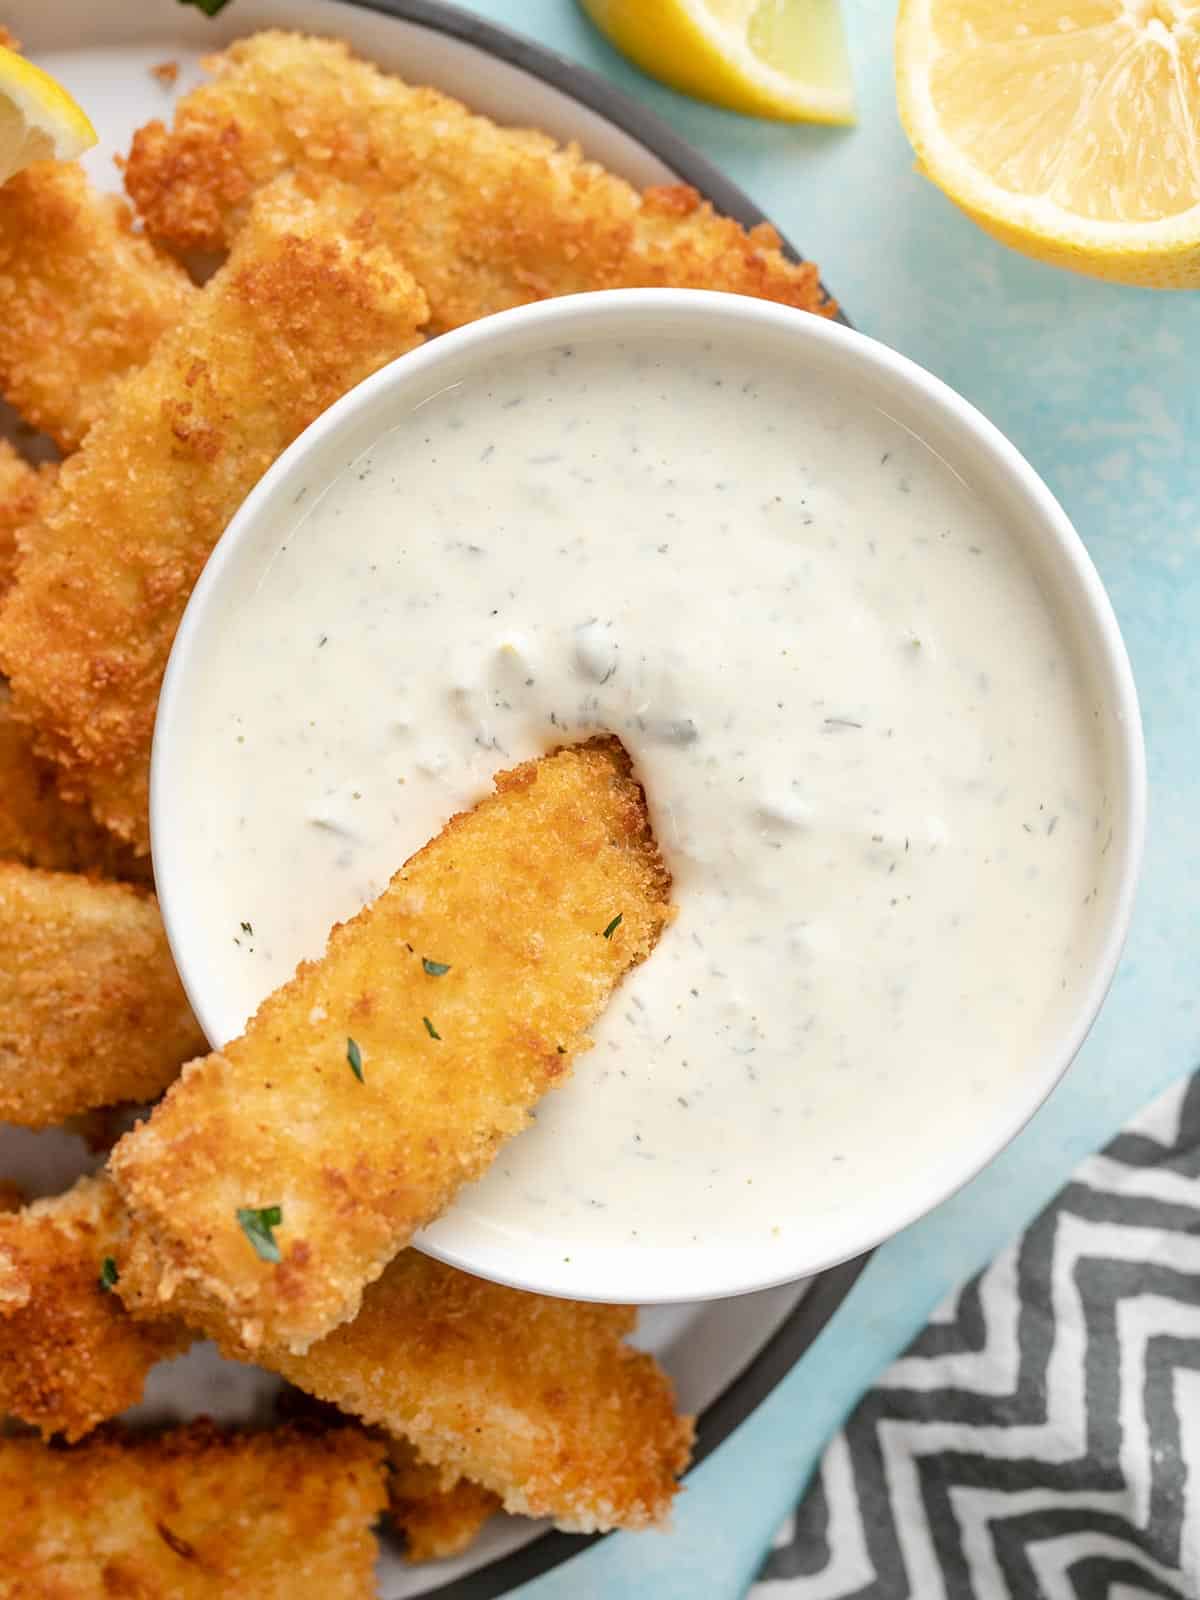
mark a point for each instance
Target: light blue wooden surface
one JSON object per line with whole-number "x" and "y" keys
{"x": 1099, "y": 387}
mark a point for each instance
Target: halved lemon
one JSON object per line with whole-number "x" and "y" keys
{"x": 1069, "y": 129}
{"x": 39, "y": 121}
{"x": 769, "y": 58}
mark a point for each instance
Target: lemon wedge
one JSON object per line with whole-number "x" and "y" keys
{"x": 39, "y": 121}
{"x": 1069, "y": 129}
{"x": 769, "y": 58}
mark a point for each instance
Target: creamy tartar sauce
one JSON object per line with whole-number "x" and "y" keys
{"x": 869, "y": 753}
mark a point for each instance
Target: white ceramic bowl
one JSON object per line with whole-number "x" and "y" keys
{"x": 974, "y": 449}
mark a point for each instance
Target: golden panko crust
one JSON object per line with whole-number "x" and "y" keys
{"x": 536, "y": 1399}
{"x": 306, "y": 306}
{"x": 487, "y": 217}
{"x": 39, "y": 828}
{"x": 21, "y": 490}
{"x": 83, "y": 298}
{"x": 192, "y": 1514}
{"x": 70, "y": 1357}
{"x": 92, "y": 1012}
{"x": 437, "y": 1519}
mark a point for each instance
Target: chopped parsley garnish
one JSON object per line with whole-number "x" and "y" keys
{"x": 430, "y": 1029}
{"x": 209, "y": 7}
{"x": 614, "y": 924}
{"x": 435, "y": 969}
{"x": 256, "y": 1224}
{"x": 108, "y": 1274}
{"x": 354, "y": 1057}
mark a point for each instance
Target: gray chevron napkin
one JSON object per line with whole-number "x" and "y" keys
{"x": 1040, "y": 1440}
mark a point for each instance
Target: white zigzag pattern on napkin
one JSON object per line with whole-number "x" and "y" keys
{"x": 1036, "y": 1439}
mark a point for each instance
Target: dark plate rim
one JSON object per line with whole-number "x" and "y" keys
{"x": 798, "y": 1330}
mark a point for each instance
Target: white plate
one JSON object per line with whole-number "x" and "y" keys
{"x": 724, "y": 1356}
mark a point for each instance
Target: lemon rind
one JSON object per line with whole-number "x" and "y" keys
{"x": 725, "y": 73}
{"x": 46, "y": 108}
{"x": 1164, "y": 253}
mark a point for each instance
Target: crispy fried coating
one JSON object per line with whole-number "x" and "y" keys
{"x": 70, "y": 1357}
{"x": 21, "y": 491}
{"x": 39, "y": 828}
{"x": 493, "y": 1396}
{"x": 11, "y": 1197}
{"x": 537, "y": 1399}
{"x": 83, "y": 298}
{"x": 92, "y": 1012}
{"x": 487, "y": 217}
{"x": 437, "y": 1519}
{"x": 513, "y": 897}
{"x": 306, "y": 306}
{"x": 192, "y": 1514}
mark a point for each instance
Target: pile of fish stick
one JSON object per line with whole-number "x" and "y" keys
{"x": 267, "y": 1197}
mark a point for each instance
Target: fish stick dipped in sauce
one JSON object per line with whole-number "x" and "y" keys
{"x": 281, "y": 1174}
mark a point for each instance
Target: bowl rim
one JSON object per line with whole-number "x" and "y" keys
{"x": 670, "y": 1274}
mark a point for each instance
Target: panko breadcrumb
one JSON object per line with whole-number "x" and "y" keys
{"x": 83, "y": 298}
{"x": 92, "y": 1012}
{"x": 39, "y": 828}
{"x": 436, "y": 1518}
{"x": 70, "y": 1357}
{"x": 487, "y": 217}
{"x": 306, "y": 306}
{"x": 537, "y": 1399}
{"x": 21, "y": 491}
{"x": 492, "y": 1396}
{"x": 366, "y": 1092}
{"x": 192, "y": 1514}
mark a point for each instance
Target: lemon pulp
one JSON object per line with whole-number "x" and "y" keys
{"x": 1069, "y": 128}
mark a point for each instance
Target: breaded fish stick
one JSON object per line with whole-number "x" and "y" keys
{"x": 279, "y": 1176}
{"x": 538, "y": 1400}
{"x": 305, "y": 307}
{"x": 92, "y": 1012}
{"x": 70, "y": 1356}
{"x": 193, "y": 1514}
{"x": 38, "y": 827}
{"x": 438, "y": 1520}
{"x": 487, "y": 217}
{"x": 82, "y": 298}
{"x": 21, "y": 491}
